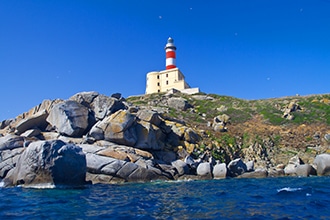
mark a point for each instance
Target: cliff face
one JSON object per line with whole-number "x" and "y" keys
{"x": 170, "y": 136}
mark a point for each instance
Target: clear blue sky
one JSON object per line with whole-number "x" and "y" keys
{"x": 249, "y": 49}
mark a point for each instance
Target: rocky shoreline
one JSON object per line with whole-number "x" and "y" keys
{"x": 93, "y": 138}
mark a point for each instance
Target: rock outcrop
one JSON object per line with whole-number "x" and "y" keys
{"x": 220, "y": 122}
{"x": 92, "y": 137}
{"x": 292, "y": 107}
{"x": 95, "y": 138}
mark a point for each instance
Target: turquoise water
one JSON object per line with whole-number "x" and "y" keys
{"x": 270, "y": 198}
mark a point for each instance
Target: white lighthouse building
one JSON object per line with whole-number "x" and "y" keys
{"x": 171, "y": 77}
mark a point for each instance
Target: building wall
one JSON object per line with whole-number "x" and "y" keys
{"x": 165, "y": 80}
{"x": 152, "y": 83}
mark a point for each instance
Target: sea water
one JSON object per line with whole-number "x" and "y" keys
{"x": 269, "y": 198}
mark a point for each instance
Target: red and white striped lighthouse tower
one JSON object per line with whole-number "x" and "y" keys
{"x": 170, "y": 54}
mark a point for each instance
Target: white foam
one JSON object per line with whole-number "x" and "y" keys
{"x": 2, "y": 184}
{"x": 41, "y": 186}
{"x": 289, "y": 189}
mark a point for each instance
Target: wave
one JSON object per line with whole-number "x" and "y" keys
{"x": 295, "y": 191}
{"x": 289, "y": 189}
{"x": 36, "y": 186}
{"x": 41, "y": 186}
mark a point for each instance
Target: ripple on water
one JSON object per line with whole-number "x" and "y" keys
{"x": 234, "y": 198}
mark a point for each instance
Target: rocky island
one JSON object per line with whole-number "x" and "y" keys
{"x": 93, "y": 138}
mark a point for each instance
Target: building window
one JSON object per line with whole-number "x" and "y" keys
{"x": 158, "y": 84}
{"x": 158, "y": 77}
{"x": 166, "y": 82}
{"x": 158, "y": 90}
{"x": 166, "y": 75}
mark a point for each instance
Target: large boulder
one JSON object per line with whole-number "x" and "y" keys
{"x": 165, "y": 156}
{"x": 85, "y": 98}
{"x": 292, "y": 107}
{"x": 191, "y": 136}
{"x": 11, "y": 141}
{"x": 89, "y": 148}
{"x": 149, "y": 116}
{"x": 122, "y": 171}
{"x": 276, "y": 172}
{"x": 141, "y": 174}
{"x": 43, "y": 107}
{"x": 69, "y": 118}
{"x": 95, "y": 163}
{"x": 305, "y": 170}
{"x": 220, "y": 171}
{"x": 181, "y": 167}
{"x": 146, "y": 136}
{"x": 37, "y": 120}
{"x": 219, "y": 127}
{"x": 50, "y": 162}
{"x": 117, "y": 128}
{"x": 236, "y": 167}
{"x": 178, "y": 103}
{"x": 224, "y": 119}
{"x": 322, "y": 163}
{"x": 104, "y": 106}
{"x": 8, "y": 160}
{"x": 31, "y": 133}
{"x": 125, "y": 153}
{"x": 178, "y": 129}
{"x": 204, "y": 170}
{"x": 220, "y": 122}
{"x": 131, "y": 172}
{"x": 249, "y": 166}
{"x": 101, "y": 105}
{"x": 5, "y": 123}
{"x": 191, "y": 162}
{"x": 291, "y": 168}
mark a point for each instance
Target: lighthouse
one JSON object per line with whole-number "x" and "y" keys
{"x": 170, "y": 79}
{"x": 170, "y": 54}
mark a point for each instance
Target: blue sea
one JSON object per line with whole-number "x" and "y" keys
{"x": 269, "y": 198}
